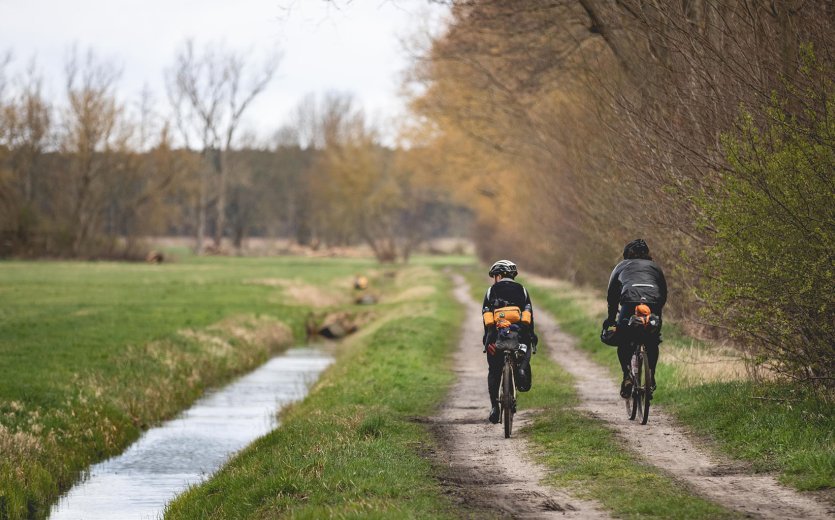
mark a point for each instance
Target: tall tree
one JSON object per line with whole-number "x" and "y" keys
{"x": 26, "y": 121}
{"x": 92, "y": 133}
{"x": 210, "y": 91}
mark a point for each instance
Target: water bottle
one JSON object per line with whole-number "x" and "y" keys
{"x": 634, "y": 365}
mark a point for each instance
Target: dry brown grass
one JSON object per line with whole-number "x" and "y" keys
{"x": 697, "y": 362}
{"x": 417, "y": 292}
{"x": 306, "y": 294}
{"x": 262, "y": 331}
{"x": 711, "y": 363}
{"x": 591, "y": 302}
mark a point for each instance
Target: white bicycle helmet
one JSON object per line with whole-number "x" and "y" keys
{"x": 506, "y": 268}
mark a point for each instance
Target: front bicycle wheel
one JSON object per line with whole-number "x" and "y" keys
{"x": 507, "y": 398}
{"x": 646, "y": 389}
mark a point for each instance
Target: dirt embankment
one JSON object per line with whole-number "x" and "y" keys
{"x": 488, "y": 474}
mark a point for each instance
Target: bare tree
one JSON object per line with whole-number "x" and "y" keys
{"x": 210, "y": 91}
{"x": 92, "y": 133}
{"x": 150, "y": 171}
{"x": 28, "y": 122}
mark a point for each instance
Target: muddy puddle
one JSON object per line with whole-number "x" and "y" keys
{"x": 137, "y": 484}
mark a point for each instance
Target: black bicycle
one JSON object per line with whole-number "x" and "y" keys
{"x": 637, "y": 404}
{"x": 641, "y": 326}
{"x": 508, "y": 344}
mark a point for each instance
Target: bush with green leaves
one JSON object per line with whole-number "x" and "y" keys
{"x": 771, "y": 274}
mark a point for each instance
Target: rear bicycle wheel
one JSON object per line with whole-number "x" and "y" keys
{"x": 632, "y": 401}
{"x": 646, "y": 385}
{"x": 507, "y": 398}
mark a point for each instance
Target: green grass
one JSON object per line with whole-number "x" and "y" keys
{"x": 790, "y": 431}
{"x": 587, "y": 457}
{"x": 352, "y": 448}
{"x": 92, "y": 353}
{"x": 584, "y": 455}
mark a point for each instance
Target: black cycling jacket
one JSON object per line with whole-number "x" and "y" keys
{"x": 634, "y": 279}
{"x": 503, "y": 293}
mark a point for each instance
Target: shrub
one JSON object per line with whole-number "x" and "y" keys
{"x": 770, "y": 275}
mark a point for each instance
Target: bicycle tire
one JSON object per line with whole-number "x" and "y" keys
{"x": 647, "y": 391}
{"x": 507, "y": 399}
{"x": 632, "y": 402}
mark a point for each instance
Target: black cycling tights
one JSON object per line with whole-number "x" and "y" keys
{"x": 625, "y": 357}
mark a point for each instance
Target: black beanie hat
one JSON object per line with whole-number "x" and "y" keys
{"x": 635, "y": 249}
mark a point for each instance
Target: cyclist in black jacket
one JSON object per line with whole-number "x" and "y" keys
{"x": 637, "y": 279}
{"x": 505, "y": 292}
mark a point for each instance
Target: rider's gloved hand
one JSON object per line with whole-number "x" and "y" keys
{"x": 490, "y": 348}
{"x": 608, "y": 322}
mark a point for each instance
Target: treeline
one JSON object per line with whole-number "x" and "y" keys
{"x": 90, "y": 175}
{"x": 704, "y": 126}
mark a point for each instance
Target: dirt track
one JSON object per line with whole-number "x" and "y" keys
{"x": 491, "y": 475}
{"x": 668, "y": 446}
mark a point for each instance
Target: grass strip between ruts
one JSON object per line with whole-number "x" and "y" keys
{"x": 351, "y": 449}
{"x": 587, "y": 457}
{"x": 772, "y": 425}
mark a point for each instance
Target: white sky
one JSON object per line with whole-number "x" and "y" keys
{"x": 354, "y": 47}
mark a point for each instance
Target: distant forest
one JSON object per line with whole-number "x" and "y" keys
{"x": 90, "y": 175}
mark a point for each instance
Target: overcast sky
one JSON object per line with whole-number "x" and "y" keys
{"x": 354, "y": 47}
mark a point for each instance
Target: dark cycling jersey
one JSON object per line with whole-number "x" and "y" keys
{"x": 507, "y": 292}
{"x": 633, "y": 280}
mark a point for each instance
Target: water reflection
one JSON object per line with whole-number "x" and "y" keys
{"x": 165, "y": 460}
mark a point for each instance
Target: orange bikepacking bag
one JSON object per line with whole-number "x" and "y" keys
{"x": 508, "y": 315}
{"x": 512, "y": 314}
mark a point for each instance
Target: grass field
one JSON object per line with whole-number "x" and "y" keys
{"x": 93, "y": 353}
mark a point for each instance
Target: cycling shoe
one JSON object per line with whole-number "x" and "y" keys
{"x": 626, "y": 388}
{"x": 494, "y": 414}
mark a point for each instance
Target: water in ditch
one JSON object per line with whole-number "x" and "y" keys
{"x": 137, "y": 484}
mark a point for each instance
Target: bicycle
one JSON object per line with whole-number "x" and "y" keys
{"x": 641, "y": 326}
{"x": 508, "y": 344}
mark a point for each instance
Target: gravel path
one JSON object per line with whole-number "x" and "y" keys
{"x": 666, "y": 445}
{"x": 491, "y": 475}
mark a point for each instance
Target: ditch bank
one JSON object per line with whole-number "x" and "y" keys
{"x": 182, "y": 452}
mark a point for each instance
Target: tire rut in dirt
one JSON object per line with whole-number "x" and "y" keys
{"x": 668, "y": 446}
{"x": 486, "y": 474}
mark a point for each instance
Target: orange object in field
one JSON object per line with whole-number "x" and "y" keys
{"x": 643, "y": 310}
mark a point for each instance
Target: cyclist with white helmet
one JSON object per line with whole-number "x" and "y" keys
{"x": 506, "y": 293}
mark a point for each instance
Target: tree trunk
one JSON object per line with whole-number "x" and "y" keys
{"x": 223, "y": 168}
{"x": 201, "y": 214}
